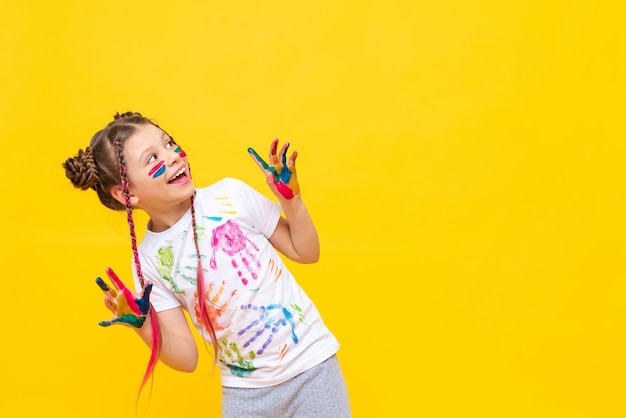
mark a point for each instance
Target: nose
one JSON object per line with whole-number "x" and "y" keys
{"x": 174, "y": 156}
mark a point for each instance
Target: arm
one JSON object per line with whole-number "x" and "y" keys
{"x": 295, "y": 235}
{"x": 178, "y": 346}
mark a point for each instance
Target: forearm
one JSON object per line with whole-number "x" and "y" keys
{"x": 301, "y": 229}
{"x": 178, "y": 348}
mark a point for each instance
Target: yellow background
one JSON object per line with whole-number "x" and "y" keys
{"x": 463, "y": 162}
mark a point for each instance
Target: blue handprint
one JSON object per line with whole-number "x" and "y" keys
{"x": 270, "y": 319}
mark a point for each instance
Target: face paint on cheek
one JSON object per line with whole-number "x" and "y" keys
{"x": 157, "y": 170}
{"x": 180, "y": 152}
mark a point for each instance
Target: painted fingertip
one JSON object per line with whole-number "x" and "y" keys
{"x": 252, "y": 152}
{"x": 102, "y": 284}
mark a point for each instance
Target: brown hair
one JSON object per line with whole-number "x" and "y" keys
{"x": 101, "y": 167}
{"x": 98, "y": 167}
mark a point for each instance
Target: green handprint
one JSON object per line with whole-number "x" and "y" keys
{"x": 237, "y": 365}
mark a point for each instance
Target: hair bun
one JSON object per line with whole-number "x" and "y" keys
{"x": 81, "y": 170}
{"x": 125, "y": 115}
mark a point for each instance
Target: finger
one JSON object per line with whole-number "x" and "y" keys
{"x": 127, "y": 319}
{"x": 130, "y": 298}
{"x": 283, "y": 154}
{"x": 133, "y": 320}
{"x": 257, "y": 158}
{"x": 144, "y": 302}
{"x": 102, "y": 284}
{"x": 292, "y": 161}
{"x": 109, "y": 303}
{"x": 271, "y": 181}
{"x": 116, "y": 280}
{"x": 105, "y": 288}
{"x": 266, "y": 168}
{"x": 273, "y": 149}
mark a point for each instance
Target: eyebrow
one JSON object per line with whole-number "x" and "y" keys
{"x": 142, "y": 156}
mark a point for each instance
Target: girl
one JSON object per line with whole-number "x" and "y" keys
{"x": 214, "y": 251}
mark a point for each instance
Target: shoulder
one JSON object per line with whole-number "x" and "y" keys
{"x": 226, "y": 186}
{"x": 224, "y": 183}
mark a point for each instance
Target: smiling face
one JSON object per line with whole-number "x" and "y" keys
{"x": 158, "y": 173}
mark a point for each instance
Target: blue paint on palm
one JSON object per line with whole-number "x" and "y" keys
{"x": 285, "y": 173}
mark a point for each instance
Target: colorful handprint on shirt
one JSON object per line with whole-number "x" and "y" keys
{"x": 229, "y": 239}
{"x": 215, "y": 308}
{"x": 270, "y": 319}
{"x": 165, "y": 264}
{"x": 236, "y": 363}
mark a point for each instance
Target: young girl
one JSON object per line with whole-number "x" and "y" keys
{"x": 214, "y": 251}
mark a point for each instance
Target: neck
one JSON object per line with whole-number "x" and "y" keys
{"x": 164, "y": 219}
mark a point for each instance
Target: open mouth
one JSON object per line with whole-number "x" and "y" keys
{"x": 179, "y": 177}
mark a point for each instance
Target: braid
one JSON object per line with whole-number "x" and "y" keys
{"x": 101, "y": 166}
{"x": 82, "y": 170}
{"x": 205, "y": 318}
{"x": 129, "y": 209}
{"x": 156, "y": 332}
{"x": 125, "y": 115}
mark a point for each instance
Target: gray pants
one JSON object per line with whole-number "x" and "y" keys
{"x": 319, "y": 392}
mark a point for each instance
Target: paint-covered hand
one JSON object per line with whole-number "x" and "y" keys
{"x": 280, "y": 173}
{"x": 126, "y": 307}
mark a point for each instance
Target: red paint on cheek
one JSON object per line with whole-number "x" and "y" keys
{"x": 156, "y": 168}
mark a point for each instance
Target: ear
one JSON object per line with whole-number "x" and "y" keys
{"x": 118, "y": 194}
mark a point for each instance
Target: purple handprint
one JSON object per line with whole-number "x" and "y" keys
{"x": 270, "y": 319}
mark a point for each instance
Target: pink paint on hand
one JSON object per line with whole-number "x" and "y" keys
{"x": 284, "y": 190}
{"x": 130, "y": 298}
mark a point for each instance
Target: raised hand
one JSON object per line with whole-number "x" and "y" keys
{"x": 280, "y": 173}
{"x": 122, "y": 302}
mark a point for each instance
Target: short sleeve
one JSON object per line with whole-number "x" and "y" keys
{"x": 263, "y": 212}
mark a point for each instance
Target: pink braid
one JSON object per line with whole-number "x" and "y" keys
{"x": 156, "y": 333}
{"x": 205, "y": 317}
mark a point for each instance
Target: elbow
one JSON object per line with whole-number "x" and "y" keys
{"x": 310, "y": 259}
{"x": 185, "y": 364}
{"x": 191, "y": 363}
{"x": 185, "y": 367}
{"x": 188, "y": 369}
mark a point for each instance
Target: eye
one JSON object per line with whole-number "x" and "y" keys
{"x": 151, "y": 158}
{"x": 171, "y": 143}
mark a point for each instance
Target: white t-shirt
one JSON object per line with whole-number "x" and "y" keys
{"x": 268, "y": 329}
